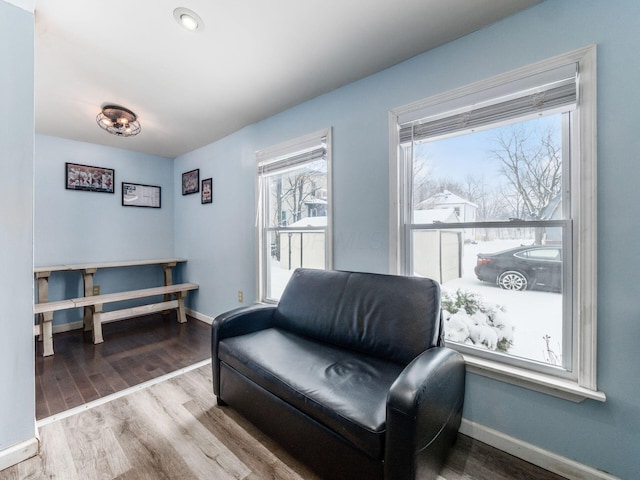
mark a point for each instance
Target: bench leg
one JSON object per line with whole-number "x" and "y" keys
{"x": 167, "y": 269}
{"x": 47, "y": 333}
{"x": 87, "y": 319}
{"x": 182, "y": 316}
{"x": 97, "y": 324}
{"x": 40, "y": 319}
{"x": 87, "y": 281}
{"x": 43, "y": 296}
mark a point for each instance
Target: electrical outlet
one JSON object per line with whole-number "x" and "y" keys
{"x": 96, "y": 290}
{"x": 240, "y": 296}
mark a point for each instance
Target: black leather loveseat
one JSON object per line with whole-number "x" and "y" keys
{"x": 348, "y": 373}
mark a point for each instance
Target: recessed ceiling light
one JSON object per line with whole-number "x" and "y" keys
{"x": 188, "y": 19}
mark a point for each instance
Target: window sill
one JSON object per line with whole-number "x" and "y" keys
{"x": 558, "y": 387}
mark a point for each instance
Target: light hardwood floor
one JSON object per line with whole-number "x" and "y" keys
{"x": 173, "y": 429}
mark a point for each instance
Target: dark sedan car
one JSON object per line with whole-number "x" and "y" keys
{"x": 522, "y": 268}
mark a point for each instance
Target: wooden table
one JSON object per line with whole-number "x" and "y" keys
{"x": 88, "y": 270}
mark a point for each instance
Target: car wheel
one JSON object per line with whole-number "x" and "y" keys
{"x": 512, "y": 280}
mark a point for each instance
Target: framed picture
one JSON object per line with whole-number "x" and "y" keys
{"x": 91, "y": 179}
{"x": 136, "y": 195}
{"x": 207, "y": 191}
{"x": 191, "y": 182}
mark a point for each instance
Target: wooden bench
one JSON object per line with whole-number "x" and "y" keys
{"x": 93, "y": 314}
{"x": 99, "y": 317}
{"x": 95, "y": 302}
{"x": 44, "y": 328}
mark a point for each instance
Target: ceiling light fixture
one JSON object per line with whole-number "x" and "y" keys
{"x": 118, "y": 121}
{"x": 188, "y": 19}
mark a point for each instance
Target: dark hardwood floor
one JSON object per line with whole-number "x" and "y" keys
{"x": 134, "y": 351}
{"x": 138, "y": 350}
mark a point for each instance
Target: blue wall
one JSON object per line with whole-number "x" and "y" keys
{"x": 82, "y": 227}
{"x": 219, "y": 239}
{"x": 17, "y": 397}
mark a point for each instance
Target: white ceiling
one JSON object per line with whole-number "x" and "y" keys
{"x": 253, "y": 59}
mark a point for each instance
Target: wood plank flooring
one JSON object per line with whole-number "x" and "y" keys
{"x": 174, "y": 429}
{"x": 134, "y": 351}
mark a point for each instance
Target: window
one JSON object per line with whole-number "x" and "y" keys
{"x": 495, "y": 187}
{"x": 294, "y": 210}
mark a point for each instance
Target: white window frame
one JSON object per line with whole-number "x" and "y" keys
{"x": 270, "y": 154}
{"x": 583, "y": 385}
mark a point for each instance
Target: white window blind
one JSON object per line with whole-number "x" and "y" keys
{"x": 495, "y": 105}
{"x": 268, "y": 166}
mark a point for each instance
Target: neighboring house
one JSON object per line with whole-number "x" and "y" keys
{"x": 440, "y": 215}
{"x": 316, "y": 208}
{"x": 464, "y": 210}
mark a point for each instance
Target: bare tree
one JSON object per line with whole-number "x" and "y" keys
{"x": 426, "y": 187}
{"x": 487, "y": 199}
{"x": 292, "y": 193}
{"x": 532, "y": 164}
{"x": 422, "y": 185}
{"x": 298, "y": 189}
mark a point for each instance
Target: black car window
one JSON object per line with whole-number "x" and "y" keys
{"x": 541, "y": 254}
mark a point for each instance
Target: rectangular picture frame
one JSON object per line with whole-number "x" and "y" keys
{"x": 139, "y": 195}
{"x": 191, "y": 182}
{"x": 88, "y": 178}
{"x": 207, "y": 191}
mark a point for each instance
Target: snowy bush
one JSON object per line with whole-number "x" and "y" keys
{"x": 470, "y": 321}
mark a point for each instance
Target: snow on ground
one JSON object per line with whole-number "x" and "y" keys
{"x": 279, "y": 278}
{"x": 533, "y": 313}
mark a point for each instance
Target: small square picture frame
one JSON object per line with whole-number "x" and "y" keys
{"x": 191, "y": 182}
{"x": 206, "y": 195}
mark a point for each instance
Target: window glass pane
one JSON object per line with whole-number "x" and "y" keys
{"x": 296, "y": 199}
{"x": 508, "y": 177}
{"x": 513, "y": 171}
{"x": 297, "y": 193}
{"x": 501, "y": 289}
{"x": 289, "y": 250}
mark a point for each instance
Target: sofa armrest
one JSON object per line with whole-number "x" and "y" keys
{"x": 424, "y": 408}
{"x": 233, "y": 323}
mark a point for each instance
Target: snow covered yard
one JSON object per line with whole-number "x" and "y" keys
{"x": 533, "y": 314}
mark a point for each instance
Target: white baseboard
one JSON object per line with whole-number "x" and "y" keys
{"x": 66, "y": 327}
{"x": 18, "y": 453}
{"x": 543, "y": 458}
{"x": 199, "y": 316}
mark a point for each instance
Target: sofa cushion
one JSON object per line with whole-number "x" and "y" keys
{"x": 341, "y": 389}
{"x": 391, "y": 317}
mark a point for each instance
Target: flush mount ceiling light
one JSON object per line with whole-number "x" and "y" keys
{"x": 188, "y": 19}
{"x": 118, "y": 121}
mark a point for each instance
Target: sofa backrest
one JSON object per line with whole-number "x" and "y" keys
{"x": 387, "y": 316}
